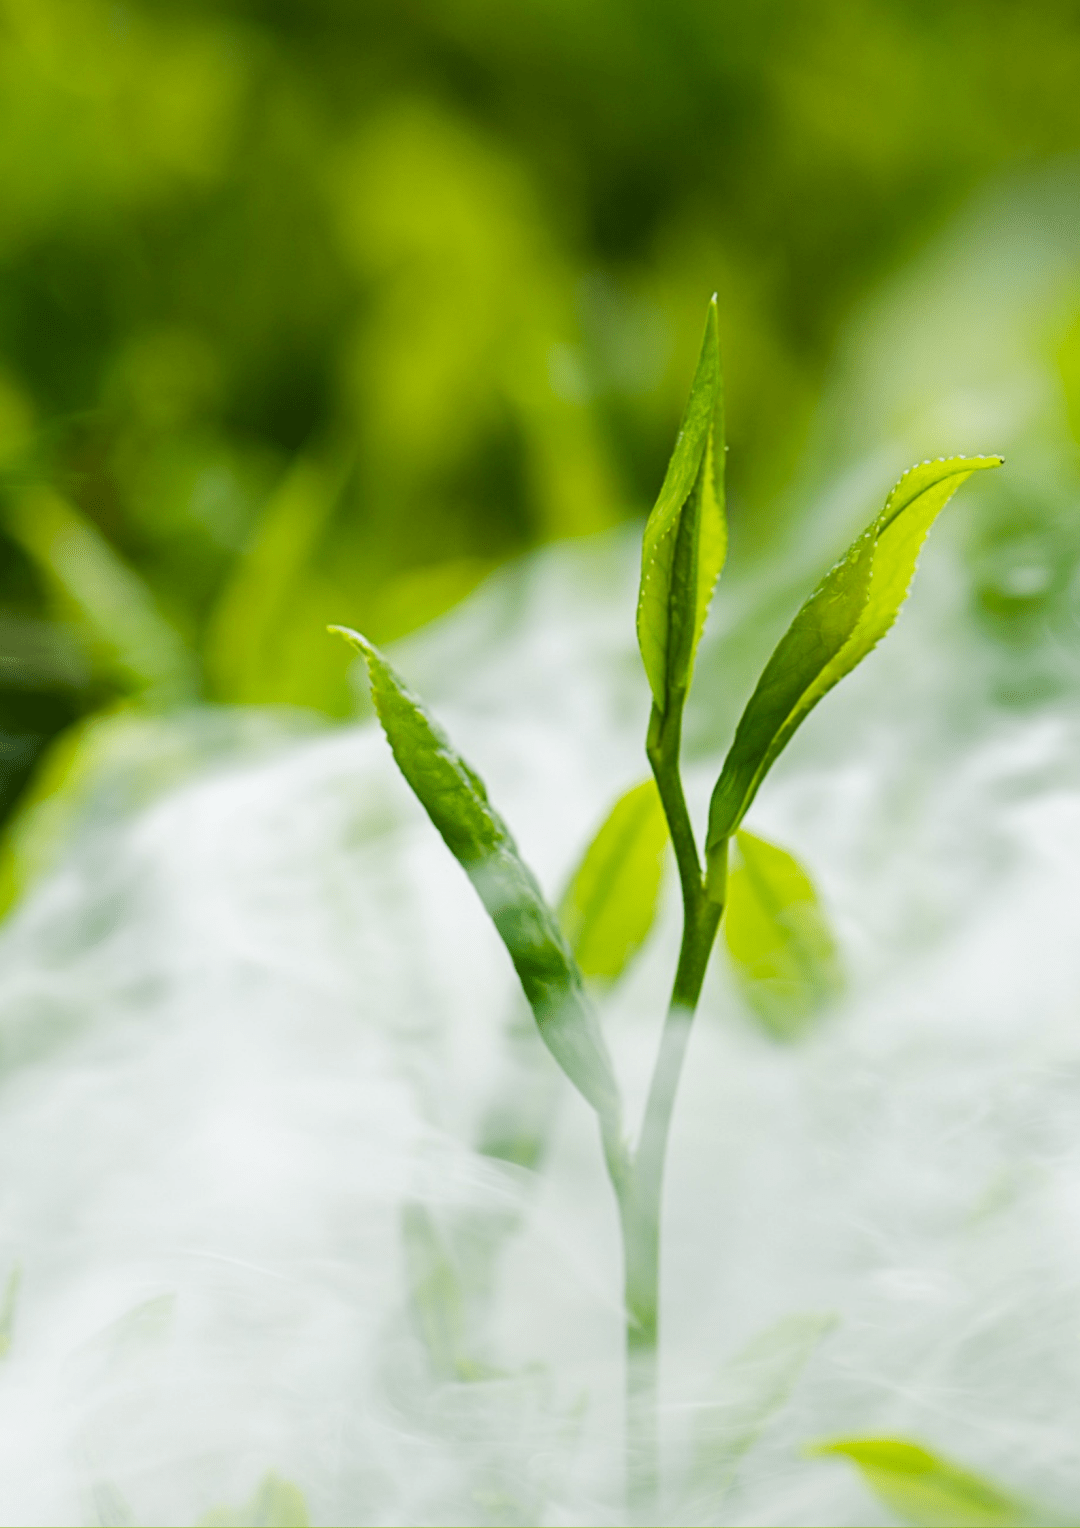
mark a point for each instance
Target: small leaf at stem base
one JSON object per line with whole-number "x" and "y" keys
{"x": 611, "y": 902}
{"x": 782, "y": 950}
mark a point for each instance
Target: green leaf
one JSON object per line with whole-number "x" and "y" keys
{"x": 435, "y": 1293}
{"x": 276, "y": 1504}
{"x": 686, "y": 535}
{"x": 846, "y": 616}
{"x": 455, "y": 799}
{"x": 264, "y": 610}
{"x": 130, "y": 636}
{"x": 782, "y": 949}
{"x": 7, "y": 1309}
{"x": 610, "y": 904}
{"x": 927, "y": 1491}
{"x": 753, "y": 1388}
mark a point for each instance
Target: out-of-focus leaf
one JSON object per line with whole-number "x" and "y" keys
{"x": 516, "y": 1126}
{"x": 751, "y": 1390}
{"x": 610, "y": 904}
{"x": 846, "y": 616}
{"x": 782, "y": 949}
{"x": 455, "y": 799}
{"x": 686, "y": 535}
{"x": 926, "y": 1491}
{"x": 253, "y": 632}
{"x": 110, "y": 600}
{"x": 276, "y": 1504}
{"x": 109, "y": 1506}
{"x": 7, "y": 1309}
{"x": 435, "y": 1293}
{"x": 132, "y": 1335}
{"x": 110, "y": 765}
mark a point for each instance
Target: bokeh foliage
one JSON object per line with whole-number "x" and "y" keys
{"x": 315, "y": 310}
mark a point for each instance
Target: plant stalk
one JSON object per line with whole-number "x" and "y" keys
{"x": 640, "y": 1201}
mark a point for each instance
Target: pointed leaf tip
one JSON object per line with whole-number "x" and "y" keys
{"x": 844, "y": 619}
{"x": 455, "y": 799}
{"x": 685, "y": 540}
{"x": 926, "y": 1491}
{"x": 354, "y": 637}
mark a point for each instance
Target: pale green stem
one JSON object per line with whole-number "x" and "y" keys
{"x": 640, "y": 1200}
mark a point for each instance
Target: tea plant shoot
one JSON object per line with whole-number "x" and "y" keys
{"x": 607, "y": 910}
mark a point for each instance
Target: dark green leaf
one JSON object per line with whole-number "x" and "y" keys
{"x": 455, "y": 799}
{"x": 846, "y": 616}
{"x": 610, "y": 905}
{"x": 686, "y": 535}
{"x": 926, "y": 1491}
{"x": 782, "y": 950}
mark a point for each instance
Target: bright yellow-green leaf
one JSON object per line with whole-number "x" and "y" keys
{"x": 846, "y": 616}
{"x": 926, "y": 1491}
{"x": 276, "y": 1504}
{"x": 610, "y": 904}
{"x": 782, "y": 950}
{"x": 686, "y": 535}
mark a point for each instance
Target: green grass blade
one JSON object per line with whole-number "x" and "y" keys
{"x": 926, "y": 1491}
{"x": 686, "y": 535}
{"x": 127, "y": 631}
{"x": 455, "y": 799}
{"x": 846, "y": 616}
{"x": 611, "y": 902}
{"x": 782, "y": 949}
{"x": 250, "y": 634}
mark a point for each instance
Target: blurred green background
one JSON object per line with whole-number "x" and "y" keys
{"x": 317, "y": 310}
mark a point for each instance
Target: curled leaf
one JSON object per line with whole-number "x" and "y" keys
{"x": 685, "y": 536}
{"x": 926, "y": 1491}
{"x": 455, "y": 799}
{"x": 610, "y": 904}
{"x": 845, "y": 617}
{"x": 782, "y": 949}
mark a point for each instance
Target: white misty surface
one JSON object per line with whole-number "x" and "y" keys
{"x": 245, "y": 1027}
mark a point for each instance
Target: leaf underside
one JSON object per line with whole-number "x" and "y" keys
{"x": 685, "y": 540}
{"x": 846, "y": 616}
{"x": 455, "y": 799}
{"x": 782, "y": 949}
{"x": 611, "y": 902}
{"x": 927, "y": 1491}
